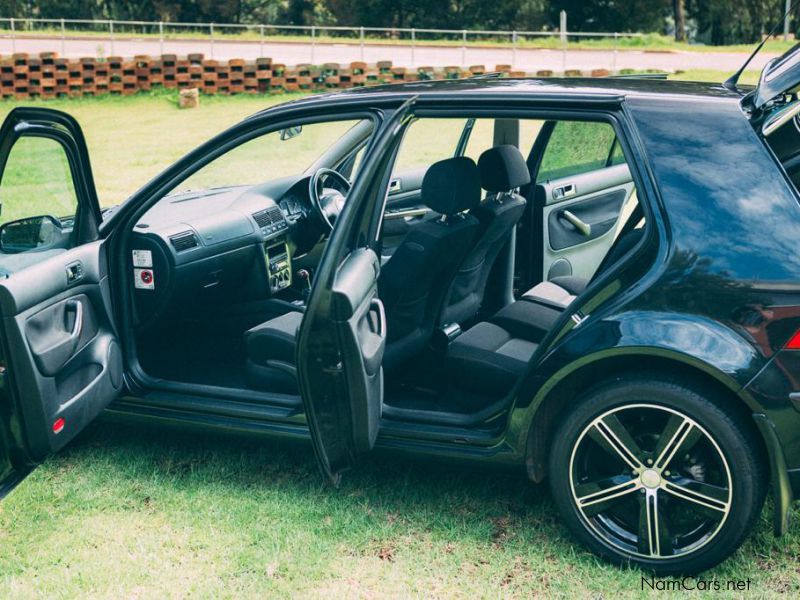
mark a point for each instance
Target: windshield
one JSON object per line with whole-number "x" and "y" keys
{"x": 289, "y": 151}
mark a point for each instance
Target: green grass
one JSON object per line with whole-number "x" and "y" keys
{"x": 133, "y": 511}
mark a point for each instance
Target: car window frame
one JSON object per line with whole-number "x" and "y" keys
{"x": 120, "y": 226}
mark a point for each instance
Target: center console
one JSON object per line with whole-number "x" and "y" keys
{"x": 279, "y": 265}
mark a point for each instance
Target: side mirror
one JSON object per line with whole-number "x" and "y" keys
{"x": 290, "y": 132}
{"x": 30, "y": 233}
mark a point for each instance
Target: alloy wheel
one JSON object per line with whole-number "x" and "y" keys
{"x": 650, "y": 481}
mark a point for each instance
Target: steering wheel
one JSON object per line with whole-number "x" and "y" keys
{"x": 327, "y": 202}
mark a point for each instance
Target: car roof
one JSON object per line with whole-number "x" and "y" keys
{"x": 569, "y": 88}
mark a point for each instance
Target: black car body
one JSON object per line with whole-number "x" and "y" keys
{"x": 708, "y": 297}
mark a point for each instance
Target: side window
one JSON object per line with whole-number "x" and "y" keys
{"x": 38, "y": 201}
{"x": 617, "y": 156}
{"x": 577, "y": 147}
{"x": 428, "y": 141}
{"x": 480, "y": 139}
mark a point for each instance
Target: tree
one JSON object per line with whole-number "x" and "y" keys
{"x": 680, "y": 20}
{"x": 612, "y": 15}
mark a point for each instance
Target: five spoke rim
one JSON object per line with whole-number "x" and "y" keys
{"x": 659, "y": 488}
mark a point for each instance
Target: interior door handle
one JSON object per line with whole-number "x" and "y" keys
{"x": 53, "y": 357}
{"x": 374, "y": 343}
{"x": 377, "y": 317}
{"x": 582, "y": 226}
{"x": 74, "y": 307}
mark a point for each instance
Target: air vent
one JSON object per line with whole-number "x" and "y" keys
{"x": 267, "y": 217}
{"x": 183, "y": 241}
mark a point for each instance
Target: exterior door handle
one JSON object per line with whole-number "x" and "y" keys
{"x": 582, "y": 226}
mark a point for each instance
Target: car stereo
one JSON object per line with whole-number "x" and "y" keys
{"x": 279, "y": 265}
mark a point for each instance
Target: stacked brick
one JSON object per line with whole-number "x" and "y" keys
{"x": 46, "y": 75}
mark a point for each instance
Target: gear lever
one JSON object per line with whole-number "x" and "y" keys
{"x": 305, "y": 283}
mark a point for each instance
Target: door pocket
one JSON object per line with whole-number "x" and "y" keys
{"x": 58, "y": 332}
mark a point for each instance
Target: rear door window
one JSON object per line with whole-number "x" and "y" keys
{"x": 577, "y": 147}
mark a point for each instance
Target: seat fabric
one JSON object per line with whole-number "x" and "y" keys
{"x": 527, "y": 320}
{"x": 487, "y": 360}
{"x": 502, "y": 170}
{"x": 274, "y": 340}
{"x": 535, "y": 314}
{"x": 413, "y": 283}
{"x": 271, "y": 350}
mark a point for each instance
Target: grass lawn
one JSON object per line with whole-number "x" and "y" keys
{"x": 133, "y": 511}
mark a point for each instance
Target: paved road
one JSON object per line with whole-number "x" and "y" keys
{"x": 401, "y": 55}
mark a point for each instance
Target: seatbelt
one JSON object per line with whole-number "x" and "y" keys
{"x": 636, "y": 216}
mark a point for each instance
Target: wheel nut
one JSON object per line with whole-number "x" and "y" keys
{"x": 649, "y": 461}
{"x": 666, "y": 473}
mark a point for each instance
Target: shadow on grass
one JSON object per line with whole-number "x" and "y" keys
{"x": 424, "y": 489}
{"x": 386, "y": 509}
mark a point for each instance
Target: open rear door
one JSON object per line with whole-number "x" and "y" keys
{"x": 60, "y": 363}
{"x": 343, "y": 334}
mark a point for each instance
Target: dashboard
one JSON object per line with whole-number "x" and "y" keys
{"x": 194, "y": 250}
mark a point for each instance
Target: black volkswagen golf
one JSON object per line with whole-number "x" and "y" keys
{"x": 593, "y": 282}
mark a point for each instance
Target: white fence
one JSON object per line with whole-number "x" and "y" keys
{"x": 203, "y": 36}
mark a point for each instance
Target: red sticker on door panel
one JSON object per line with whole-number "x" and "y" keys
{"x": 143, "y": 279}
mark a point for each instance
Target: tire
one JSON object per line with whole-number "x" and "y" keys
{"x": 653, "y": 473}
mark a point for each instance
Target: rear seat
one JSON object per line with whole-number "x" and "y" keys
{"x": 536, "y": 312}
{"x": 491, "y": 356}
{"x": 487, "y": 360}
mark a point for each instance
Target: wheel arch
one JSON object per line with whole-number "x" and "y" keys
{"x": 565, "y": 387}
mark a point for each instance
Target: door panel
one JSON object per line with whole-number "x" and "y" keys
{"x": 60, "y": 363}
{"x": 342, "y": 337}
{"x": 61, "y": 349}
{"x": 581, "y": 218}
{"x": 361, "y": 326}
{"x": 404, "y": 208}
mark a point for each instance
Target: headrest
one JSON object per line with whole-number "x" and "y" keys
{"x": 503, "y": 169}
{"x": 451, "y": 186}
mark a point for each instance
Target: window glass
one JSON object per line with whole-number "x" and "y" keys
{"x": 617, "y": 156}
{"x": 38, "y": 201}
{"x": 267, "y": 157}
{"x": 576, "y": 147}
{"x": 37, "y": 181}
{"x": 480, "y": 139}
{"x": 427, "y": 141}
{"x": 528, "y": 132}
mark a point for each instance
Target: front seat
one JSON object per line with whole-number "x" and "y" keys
{"x": 503, "y": 171}
{"x": 412, "y": 284}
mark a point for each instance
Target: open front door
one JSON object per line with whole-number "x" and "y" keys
{"x": 60, "y": 363}
{"x": 343, "y": 334}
